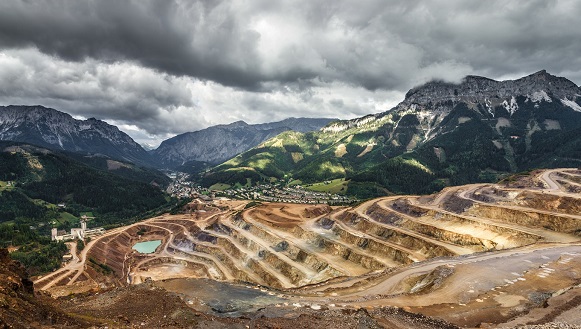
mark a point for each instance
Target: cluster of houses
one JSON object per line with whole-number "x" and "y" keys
{"x": 267, "y": 192}
{"x": 181, "y": 188}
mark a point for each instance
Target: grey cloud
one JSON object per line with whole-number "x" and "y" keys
{"x": 163, "y": 67}
{"x": 376, "y": 44}
{"x": 181, "y": 38}
{"x": 116, "y": 91}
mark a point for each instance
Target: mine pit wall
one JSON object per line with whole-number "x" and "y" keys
{"x": 405, "y": 207}
{"x": 216, "y": 252}
{"x": 572, "y": 176}
{"x": 198, "y": 259}
{"x": 351, "y": 255}
{"x": 316, "y": 211}
{"x": 315, "y": 263}
{"x": 337, "y": 249}
{"x": 290, "y": 214}
{"x": 456, "y": 204}
{"x": 550, "y": 202}
{"x": 517, "y": 237}
{"x": 419, "y": 245}
{"x": 258, "y": 232}
{"x": 189, "y": 225}
{"x": 459, "y": 239}
{"x": 224, "y": 259}
{"x": 270, "y": 279}
{"x": 112, "y": 253}
{"x": 374, "y": 247}
{"x": 555, "y": 223}
{"x": 288, "y": 270}
{"x": 295, "y": 275}
{"x": 246, "y": 242}
{"x": 383, "y": 216}
{"x": 269, "y": 216}
{"x": 291, "y": 251}
{"x": 169, "y": 260}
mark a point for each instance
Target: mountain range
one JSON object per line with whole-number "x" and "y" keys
{"x": 41, "y": 126}
{"x": 45, "y": 127}
{"x": 440, "y": 134}
{"x": 217, "y": 144}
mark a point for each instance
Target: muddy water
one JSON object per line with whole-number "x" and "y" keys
{"x": 220, "y": 298}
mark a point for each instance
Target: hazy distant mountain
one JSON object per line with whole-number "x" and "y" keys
{"x": 440, "y": 134}
{"x": 53, "y": 129}
{"x": 219, "y": 143}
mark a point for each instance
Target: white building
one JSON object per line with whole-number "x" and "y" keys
{"x": 77, "y": 233}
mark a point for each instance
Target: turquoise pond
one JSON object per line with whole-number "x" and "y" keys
{"x": 147, "y": 247}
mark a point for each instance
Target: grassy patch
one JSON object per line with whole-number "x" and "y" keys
{"x": 335, "y": 186}
{"x": 43, "y": 203}
{"x": 297, "y": 156}
{"x": 295, "y": 182}
{"x": 4, "y": 186}
{"x": 220, "y": 187}
{"x": 65, "y": 216}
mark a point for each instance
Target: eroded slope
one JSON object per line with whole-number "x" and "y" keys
{"x": 468, "y": 250}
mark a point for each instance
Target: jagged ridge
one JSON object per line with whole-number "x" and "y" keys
{"x": 53, "y": 129}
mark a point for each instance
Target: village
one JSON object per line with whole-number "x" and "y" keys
{"x": 182, "y": 188}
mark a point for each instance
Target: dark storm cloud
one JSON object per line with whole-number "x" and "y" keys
{"x": 165, "y": 67}
{"x": 191, "y": 38}
{"x": 115, "y": 91}
{"x": 377, "y": 44}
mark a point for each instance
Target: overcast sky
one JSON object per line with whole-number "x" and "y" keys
{"x": 159, "y": 68}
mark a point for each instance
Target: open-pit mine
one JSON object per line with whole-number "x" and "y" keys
{"x": 481, "y": 255}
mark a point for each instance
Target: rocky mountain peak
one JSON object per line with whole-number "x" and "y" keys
{"x": 234, "y": 125}
{"x": 478, "y": 89}
{"x": 53, "y": 129}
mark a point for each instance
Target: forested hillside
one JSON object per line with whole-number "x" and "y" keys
{"x": 41, "y": 189}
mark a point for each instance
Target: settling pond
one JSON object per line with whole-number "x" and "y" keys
{"x": 147, "y": 247}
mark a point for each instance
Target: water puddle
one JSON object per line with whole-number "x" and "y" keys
{"x": 147, "y": 247}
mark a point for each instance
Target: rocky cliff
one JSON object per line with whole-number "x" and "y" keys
{"x": 20, "y": 308}
{"x": 53, "y": 129}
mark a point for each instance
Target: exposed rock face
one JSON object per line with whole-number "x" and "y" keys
{"x": 478, "y": 89}
{"x": 220, "y": 143}
{"x": 52, "y": 129}
{"x": 433, "y": 96}
{"x": 19, "y": 308}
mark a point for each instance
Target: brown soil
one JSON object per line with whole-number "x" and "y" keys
{"x": 475, "y": 255}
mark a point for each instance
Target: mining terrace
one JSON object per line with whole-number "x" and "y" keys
{"x": 481, "y": 255}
